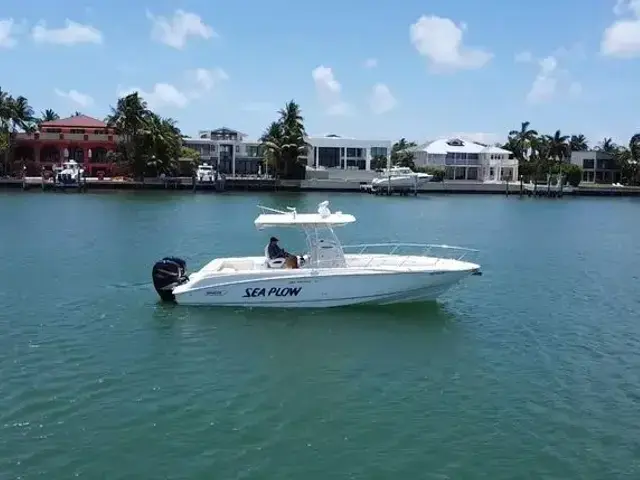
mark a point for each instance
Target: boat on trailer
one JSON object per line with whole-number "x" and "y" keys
{"x": 329, "y": 274}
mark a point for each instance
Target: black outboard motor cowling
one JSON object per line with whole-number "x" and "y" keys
{"x": 167, "y": 274}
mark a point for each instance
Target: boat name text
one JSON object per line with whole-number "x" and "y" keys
{"x": 272, "y": 292}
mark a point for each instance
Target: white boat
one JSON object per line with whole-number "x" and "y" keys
{"x": 70, "y": 172}
{"x": 205, "y": 173}
{"x": 400, "y": 177}
{"x": 325, "y": 276}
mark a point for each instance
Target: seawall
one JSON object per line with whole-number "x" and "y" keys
{"x": 320, "y": 185}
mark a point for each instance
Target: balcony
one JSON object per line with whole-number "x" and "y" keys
{"x": 71, "y": 137}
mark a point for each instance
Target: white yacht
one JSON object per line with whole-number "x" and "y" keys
{"x": 327, "y": 275}
{"x": 400, "y": 177}
{"x": 205, "y": 173}
{"x": 69, "y": 172}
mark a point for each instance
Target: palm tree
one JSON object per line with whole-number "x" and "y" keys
{"x": 15, "y": 114}
{"x": 634, "y": 147}
{"x": 128, "y": 119}
{"x": 162, "y": 144}
{"x": 511, "y": 145}
{"x": 294, "y": 137}
{"x": 47, "y": 115}
{"x": 271, "y": 142}
{"x": 402, "y": 153}
{"x": 128, "y": 116}
{"x": 523, "y": 139}
{"x": 149, "y": 143}
{"x": 540, "y": 149}
{"x": 607, "y": 146}
{"x": 559, "y": 148}
{"x": 284, "y": 142}
{"x": 578, "y": 143}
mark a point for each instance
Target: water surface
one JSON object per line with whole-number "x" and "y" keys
{"x": 530, "y": 371}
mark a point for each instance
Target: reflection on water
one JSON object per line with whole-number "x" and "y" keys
{"x": 418, "y": 320}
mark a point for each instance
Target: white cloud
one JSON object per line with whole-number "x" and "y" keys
{"x": 7, "y": 32}
{"x": 161, "y": 95}
{"x": 80, "y": 99}
{"x": 622, "y": 38}
{"x": 71, "y": 34}
{"x": 440, "y": 41}
{"x": 371, "y": 63}
{"x": 206, "y": 80}
{"x": 551, "y": 81}
{"x": 175, "y": 31}
{"x": 524, "y": 57}
{"x": 330, "y": 91}
{"x": 201, "y": 82}
{"x": 545, "y": 83}
{"x": 382, "y": 100}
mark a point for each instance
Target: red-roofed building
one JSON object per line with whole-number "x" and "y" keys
{"x": 84, "y": 139}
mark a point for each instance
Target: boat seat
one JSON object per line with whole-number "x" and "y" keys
{"x": 272, "y": 262}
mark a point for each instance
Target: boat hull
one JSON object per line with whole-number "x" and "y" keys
{"x": 400, "y": 182}
{"x": 318, "y": 289}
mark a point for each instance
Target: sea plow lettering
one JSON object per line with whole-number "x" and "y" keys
{"x": 272, "y": 292}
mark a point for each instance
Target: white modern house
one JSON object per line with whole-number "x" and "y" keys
{"x": 228, "y": 151}
{"x": 597, "y": 166}
{"x": 333, "y": 151}
{"x": 331, "y": 156}
{"x": 467, "y": 160}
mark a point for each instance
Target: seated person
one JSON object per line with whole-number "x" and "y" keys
{"x": 275, "y": 251}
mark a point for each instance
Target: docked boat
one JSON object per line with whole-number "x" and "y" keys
{"x": 205, "y": 173}
{"x": 325, "y": 276}
{"x": 400, "y": 177}
{"x": 69, "y": 173}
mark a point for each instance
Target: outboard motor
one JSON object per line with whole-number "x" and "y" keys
{"x": 167, "y": 274}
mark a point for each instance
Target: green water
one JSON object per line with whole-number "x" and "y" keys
{"x": 530, "y": 371}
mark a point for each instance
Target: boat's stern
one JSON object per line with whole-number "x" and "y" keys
{"x": 167, "y": 274}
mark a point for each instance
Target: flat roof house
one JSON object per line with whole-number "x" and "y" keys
{"x": 597, "y": 166}
{"x": 232, "y": 154}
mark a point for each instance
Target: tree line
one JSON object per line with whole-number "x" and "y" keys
{"x": 538, "y": 155}
{"x": 150, "y": 144}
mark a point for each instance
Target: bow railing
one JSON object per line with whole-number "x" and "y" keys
{"x": 398, "y": 254}
{"x": 421, "y": 249}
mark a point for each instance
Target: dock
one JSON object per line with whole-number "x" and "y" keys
{"x": 270, "y": 184}
{"x": 86, "y": 184}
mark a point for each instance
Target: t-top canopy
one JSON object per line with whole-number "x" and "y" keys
{"x": 324, "y": 218}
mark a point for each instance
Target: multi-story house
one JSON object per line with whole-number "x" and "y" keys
{"x": 466, "y": 160}
{"x": 232, "y": 154}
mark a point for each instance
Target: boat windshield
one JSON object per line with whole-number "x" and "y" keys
{"x": 397, "y": 171}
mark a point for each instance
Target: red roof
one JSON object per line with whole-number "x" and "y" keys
{"x": 78, "y": 121}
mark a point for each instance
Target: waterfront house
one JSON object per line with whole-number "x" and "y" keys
{"x": 467, "y": 160}
{"x": 84, "y": 139}
{"x": 233, "y": 154}
{"x": 597, "y": 166}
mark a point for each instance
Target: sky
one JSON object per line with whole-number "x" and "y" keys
{"x": 370, "y": 70}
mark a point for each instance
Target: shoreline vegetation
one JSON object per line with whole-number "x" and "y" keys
{"x": 150, "y": 146}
